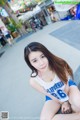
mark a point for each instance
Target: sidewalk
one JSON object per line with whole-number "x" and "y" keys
{"x": 17, "y": 96}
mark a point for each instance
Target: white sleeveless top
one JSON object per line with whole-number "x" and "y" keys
{"x": 55, "y": 87}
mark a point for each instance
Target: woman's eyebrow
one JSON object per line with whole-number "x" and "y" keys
{"x": 33, "y": 59}
{"x": 36, "y": 58}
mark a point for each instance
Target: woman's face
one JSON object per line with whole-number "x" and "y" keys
{"x": 38, "y": 61}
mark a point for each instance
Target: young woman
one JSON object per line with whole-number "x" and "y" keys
{"x": 53, "y": 77}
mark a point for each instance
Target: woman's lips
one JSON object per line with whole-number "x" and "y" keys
{"x": 43, "y": 67}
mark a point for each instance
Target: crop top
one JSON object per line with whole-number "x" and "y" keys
{"x": 55, "y": 87}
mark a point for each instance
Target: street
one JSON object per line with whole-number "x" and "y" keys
{"x": 17, "y": 96}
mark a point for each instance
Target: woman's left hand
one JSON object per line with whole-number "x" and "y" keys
{"x": 66, "y": 108}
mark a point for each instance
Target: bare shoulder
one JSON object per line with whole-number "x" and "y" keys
{"x": 32, "y": 80}
{"x": 35, "y": 84}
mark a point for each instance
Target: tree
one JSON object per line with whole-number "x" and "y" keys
{"x": 5, "y": 5}
{"x": 2, "y": 2}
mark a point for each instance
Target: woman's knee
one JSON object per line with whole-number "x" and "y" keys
{"x": 74, "y": 96}
{"x": 75, "y": 103}
{"x": 75, "y": 108}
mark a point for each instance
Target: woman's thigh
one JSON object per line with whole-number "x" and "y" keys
{"x": 50, "y": 108}
{"x": 74, "y": 98}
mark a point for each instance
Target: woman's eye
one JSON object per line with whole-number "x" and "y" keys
{"x": 42, "y": 56}
{"x": 34, "y": 61}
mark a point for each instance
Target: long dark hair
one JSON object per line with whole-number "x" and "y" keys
{"x": 56, "y": 64}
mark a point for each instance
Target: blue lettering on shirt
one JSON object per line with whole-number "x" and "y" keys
{"x": 55, "y": 87}
{"x": 59, "y": 93}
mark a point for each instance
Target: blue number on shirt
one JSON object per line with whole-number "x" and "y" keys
{"x": 61, "y": 93}
{"x": 54, "y": 94}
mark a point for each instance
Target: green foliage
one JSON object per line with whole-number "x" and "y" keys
{"x": 11, "y": 27}
{"x": 17, "y": 25}
{"x": 2, "y": 2}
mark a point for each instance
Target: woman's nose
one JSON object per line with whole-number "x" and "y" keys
{"x": 41, "y": 62}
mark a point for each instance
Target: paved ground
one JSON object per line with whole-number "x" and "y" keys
{"x": 16, "y": 95}
{"x": 70, "y": 34}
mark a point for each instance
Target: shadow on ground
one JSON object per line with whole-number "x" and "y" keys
{"x": 2, "y": 53}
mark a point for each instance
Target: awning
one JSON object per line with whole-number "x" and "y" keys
{"x": 64, "y": 5}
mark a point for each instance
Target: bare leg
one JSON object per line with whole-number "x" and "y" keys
{"x": 73, "y": 116}
{"x": 50, "y": 108}
{"x": 74, "y": 98}
{"x": 9, "y": 41}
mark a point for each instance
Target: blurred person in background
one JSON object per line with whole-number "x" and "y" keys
{"x": 7, "y": 35}
{"x": 33, "y": 26}
{"x": 2, "y": 40}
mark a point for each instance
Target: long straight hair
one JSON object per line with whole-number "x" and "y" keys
{"x": 56, "y": 64}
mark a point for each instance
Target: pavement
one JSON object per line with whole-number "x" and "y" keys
{"x": 16, "y": 95}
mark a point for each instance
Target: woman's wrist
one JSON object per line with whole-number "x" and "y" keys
{"x": 65, "y": 102}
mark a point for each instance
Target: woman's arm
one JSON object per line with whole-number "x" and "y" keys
{"x": 66, "y": 107}
{"x": 39, "y": 88}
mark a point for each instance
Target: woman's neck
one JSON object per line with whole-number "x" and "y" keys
{"x": 42, "y": 73}
{"x": 47, "y": 74}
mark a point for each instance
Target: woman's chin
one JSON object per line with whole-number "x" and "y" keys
{"x": 43, "y": 69}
